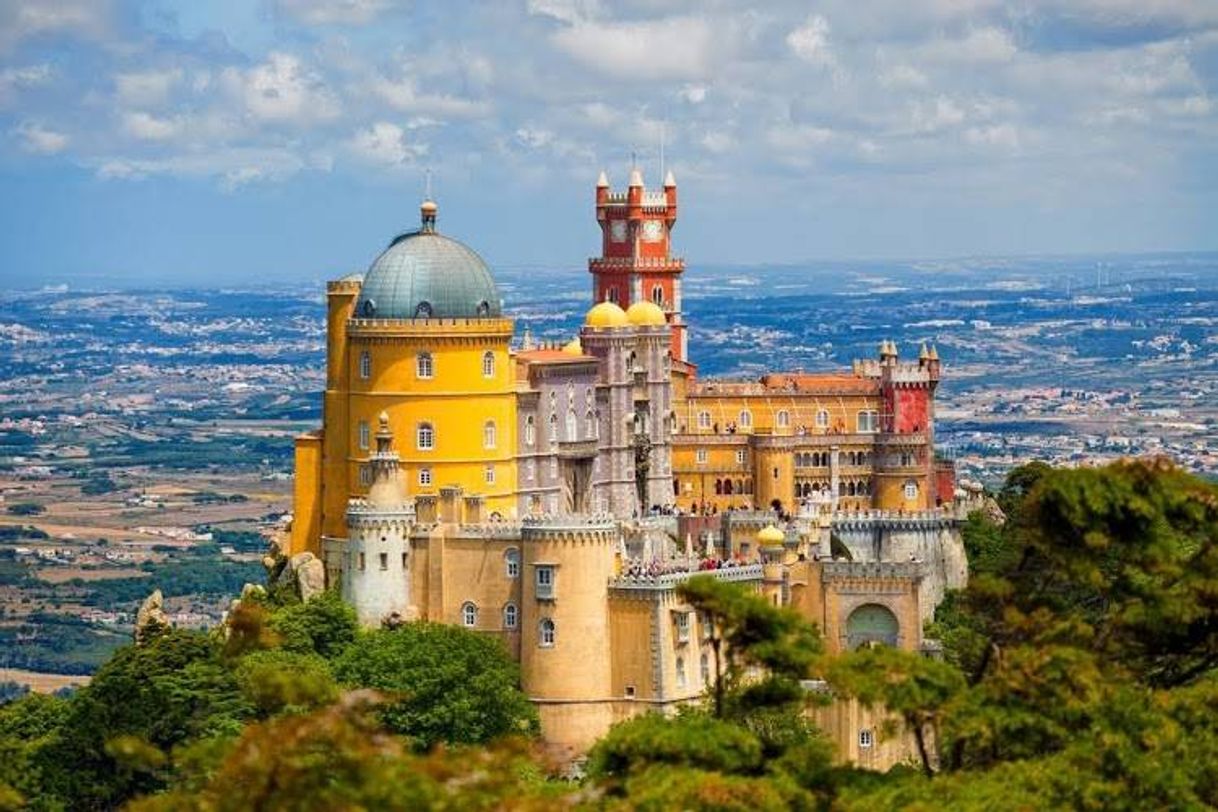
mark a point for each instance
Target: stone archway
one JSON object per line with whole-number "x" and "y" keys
{"x": 872, "y": 623}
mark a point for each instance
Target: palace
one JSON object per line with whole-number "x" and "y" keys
{"x": 556, "y": 496}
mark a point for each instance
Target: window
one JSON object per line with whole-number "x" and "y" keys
{"x": 423, "y": 310}
{"x": 704, "y": 665}
{"x": 365, "y": 435}
{"x": 740, "y": 456}
{"x": 511, "y": 563}
{"x": 544, "y": 581}
{"x": 426, "y": 437}
{"x": 423, "y": 365}
{"x": 545, "y": 633}
{"x": 911, "y": 489}
{"x": 403, "y": 560}
{"x": 365, "y": 365}
{"x": 361, "y": 562}
{"x": 680, "y": 672}
{"x": 657, "y": 295}
{"x": 682, "y": 621}
{"x": 553, "y": 429}
{"x": 784, "y": 419}
{"x": 700, "y": 455}
{"x": 630, "y": 692}
{"x": 590, "y": 424}
{"x": 572, "y": 426}
{"x": 425, "y": 477}
{"x": 746, "y": 419}
{"x": 489, "y": 474}
{"x": 704, "y": 420}
{"x": 469, "y": 615}
{"x": 868, "y": 421}
{"x": 489, "y": 439}
{"x": 365, "y": 475}
{"x": 530, "y": 430}
{"x": 706, "y": 625}
{"x": 865, "y": 739}
{"x": 613, "y": 295}
{"x": 384, "y": 561}
{"x": 510, "y": 616}
{"x": 822, "y": 419}
{"x": 488, "y": 364}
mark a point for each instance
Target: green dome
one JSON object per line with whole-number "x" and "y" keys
{"x": 423, "y": 274}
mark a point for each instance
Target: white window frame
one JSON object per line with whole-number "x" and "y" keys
{"x": 741, "y": 456}
{"x": 365, "y": 435}
{"x": 425, "y": 436}
{"x": 424, "y": 366}
{"x": 425, "y": 477}
{"x": 511, "y": 616}
{"x": 469, "y": 615}
{"x": 866, "y": 739}
{"x": 530, "y": 430}
{"x": 544, "y": 577}
{"x": 910, "y": 490}
{"x": 365, "y": 475}
{"x": 681, "y": 623}
{"x": 822, "y": 419}
{"x": 365, "y": 365}
{"x": 704, "y": 420}
{"x": 488, "y": 364}
{"x": 547, "y": 634}
{"x": 682, "y": 680}
{"x": 511, "y": 562}
{"x": 490, "y": 434}
{"x": 489, "y": 475}
{"x": 746, "y": 419}
{"x": 701, "y": 456}
{"x": 784, "y": 419}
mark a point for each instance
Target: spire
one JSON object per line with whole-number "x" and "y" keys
{"x": 602, "y": 182}
{"x": 636, "y": 177}
{"x": 924, "y": 353}
{"x": 669, "y": 181}
{"x": 934, "y": 353}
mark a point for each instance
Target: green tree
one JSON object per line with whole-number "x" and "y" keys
{"x": 278, "y": 682}
{"x": 145, "y": 700}
{"x": 26, "y": 726}
{"x": 447, "y": 684}
{"x": 324, "y": 625}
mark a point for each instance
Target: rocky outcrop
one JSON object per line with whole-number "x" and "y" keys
{"x": 151, "y": 618}
{"x": 304, "y": 574}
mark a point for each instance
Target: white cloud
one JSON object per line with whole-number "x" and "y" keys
{"x": 231, "y": 167}
{"x": 903, "y": 76}
{"x": 810, "y": 42}
{"x": 146, "y": 88}
{"x": 333, "y": 12}
{"x": 693, "y": 94}
{"x": 14, "y": 80}
{"x": 403, "y": 94}
{"x": 997, "y": 135}
{"x": 22, "y": 19}
{"x": 979, "y": 46}
{"x": 39, "y": 139}
{"x": 147, "y": 127}
{"x": 932, "y": 116}
{"x": 281, "y": 89}
{"x": 567, "y": 11}
{"x": 668, "y": 48}
{"x": 385, "y": 144}
{"x": 534, "y": 138}
{"x": 717, "y": 142}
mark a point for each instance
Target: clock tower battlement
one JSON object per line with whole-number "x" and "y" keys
{"x": 636, "y": 262}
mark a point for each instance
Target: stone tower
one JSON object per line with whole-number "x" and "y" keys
{"x": 376, "y": 572}
{"x": 636, "y": 262}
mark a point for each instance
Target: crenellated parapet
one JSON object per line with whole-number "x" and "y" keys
{"x": 935, "y": 519}
{"x": 643, "y": 580}
{"x": 872, "y": 571}
{"x": 600, "y": 528}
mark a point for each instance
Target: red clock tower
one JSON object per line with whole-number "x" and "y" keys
{"x": 635, "y": 263}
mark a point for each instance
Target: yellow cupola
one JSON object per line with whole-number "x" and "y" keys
{"x": 606, "y": 314}
{"x": 573, "y": 347}
{"x": 646, "y": 314}
{"x": 770, "y": 535}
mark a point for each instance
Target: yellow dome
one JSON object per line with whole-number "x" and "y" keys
{"x": 606, "y": 314}
{"x": 573, "y": 347}
{"x": 770, "y": 535}
{"x": 646, "y": 314}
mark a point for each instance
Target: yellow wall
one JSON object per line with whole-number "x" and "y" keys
{"x": 306, "y": 496}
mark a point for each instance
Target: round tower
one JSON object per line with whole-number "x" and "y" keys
{"x": 377, "y": 561}
{"x": 564, "y": 637}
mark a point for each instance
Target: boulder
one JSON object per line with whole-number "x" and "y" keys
{"x": 151, "y": 618}
{"x": 310, "y": 575}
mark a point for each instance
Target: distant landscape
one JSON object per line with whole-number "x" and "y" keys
{"x": 145, "y": 436}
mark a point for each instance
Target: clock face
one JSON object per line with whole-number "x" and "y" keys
{"x": 617, "y": 231}
{"x": 653, "y": 230}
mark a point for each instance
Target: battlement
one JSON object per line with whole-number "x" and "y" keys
{"x": 675, "y": 264}
{"x": 428, "y": 328}
{"x": 842, "y": 570}
{"x": 897, "y": 519}
{"x": 644, "y": 579}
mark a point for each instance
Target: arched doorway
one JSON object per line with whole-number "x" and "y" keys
{"x": 871, "y": 623}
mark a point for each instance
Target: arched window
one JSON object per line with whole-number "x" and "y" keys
{"x": 704, "y": 420}
{"x": 425, "y": 437}
{"x": 911, "y": 489}
{"x": 630, "y": 361}
{"x": 872, "y": 624}
{"x": 590, "y": 423}
{"x": 572, "y": 426}
{"x": 841, "y": 489}
{"x": 488, "y": 364}
{"x": 365, "y": 435}
{"x": 469, "y": 614}
{"x": 530, "y": 430}
{"x": 784, "y": 419}
{"x": 511, "y": 562}
{"x": 680, "y": 672}
{"x": 822, "y": 419}
{"x": 868, "y": 421}
{"x": 613, "y": 296}
{"x": 510, "y": 616}
{"x": 484, "y": 309}
{"x": 739, "y": 486}
{"x": 727, "y": 487}
{"x": 704, "y": 665}
{"x": 424, "y": 366}
{"x": 365, "y": 365}
{"x": 850, "y": 489}
{"x": 545, "y": 633}
{"x": 489, "y": 434}
{"x": 718, "y": 487}
{"x": 657, "y": 295}
{"x": 746, "y": 419}
{"x": 423, "y": 310}
{"x": 553, "y": 429}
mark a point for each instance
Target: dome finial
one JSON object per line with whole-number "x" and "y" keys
{"x": 427, "y": 213}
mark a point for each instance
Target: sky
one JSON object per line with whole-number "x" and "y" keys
{"x": 180, "y": 142}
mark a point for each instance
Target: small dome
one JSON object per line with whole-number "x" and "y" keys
{"x": 646, "y": 314}
{"x": 770, "y": 535}
{"x": 606, "y": 314}
{"x": 573, "y": 347}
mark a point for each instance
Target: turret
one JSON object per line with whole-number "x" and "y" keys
{"x": 634, "y": 194}
{"x": 888, "y": 352}
{"x": 670, "y": 197}
{"x": 602, "y": 194}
